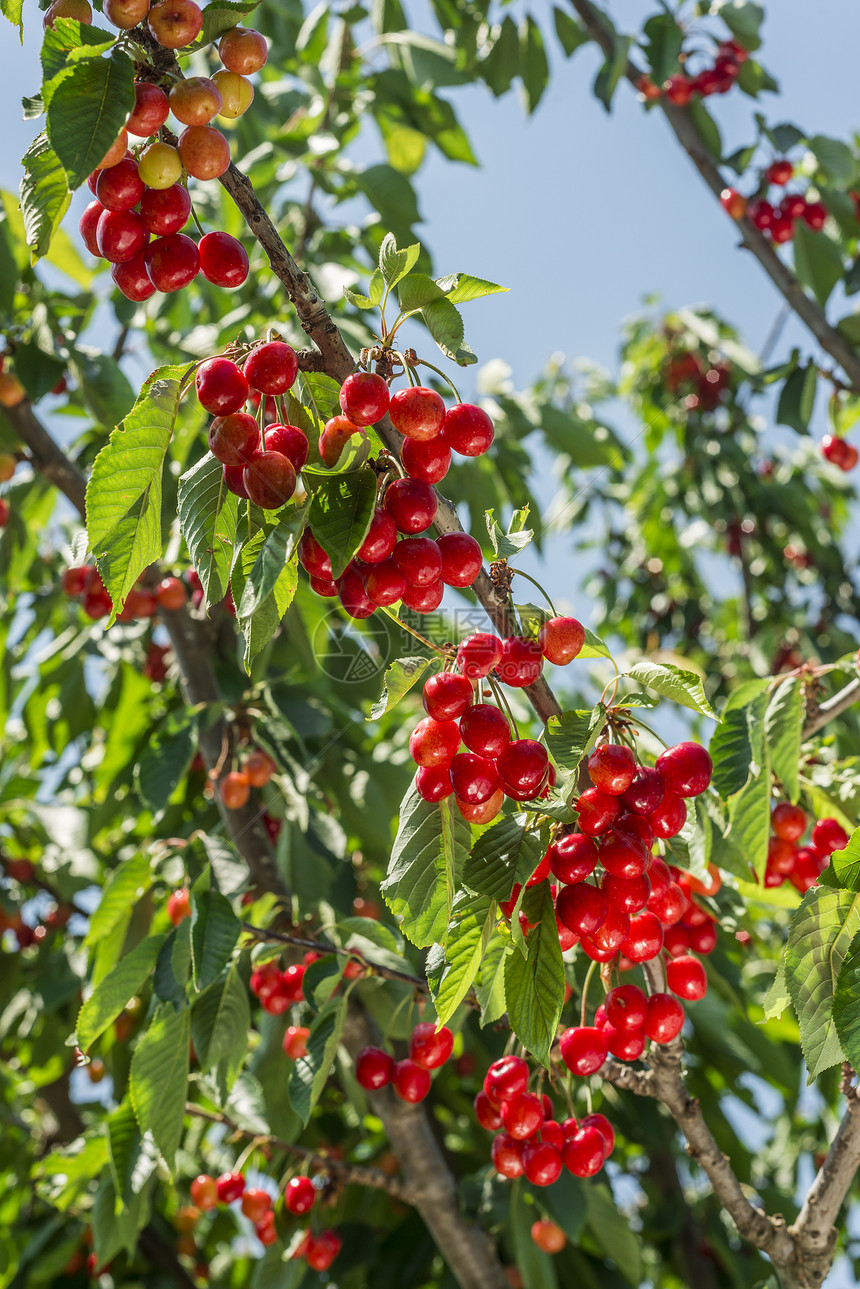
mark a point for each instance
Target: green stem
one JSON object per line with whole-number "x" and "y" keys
{"x": 422, "y": 362}
{"x": 196, "y": 221}
{"x": 412, "y": 631}
{"x": 636, "y": 721}
{"x": 519, "y": 573}
{"x": 584, "y": 1008}
{"x": 503, "y": 702}
{"x": 310, "y": 395}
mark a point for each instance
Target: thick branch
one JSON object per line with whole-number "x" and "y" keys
{"x": 47, "y": 456}
{"x": 782, "y": 277}
{"x": 814, "y": 1230}
{"x": 833, "y": 707}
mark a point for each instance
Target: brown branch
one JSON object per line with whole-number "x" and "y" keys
{"x": 264, "y": 934}
{"x": 372, "y": 1177}
{"x": 752, "y": 239}
{"x": 833, "y": 707}
{"x": 47, "y": 457}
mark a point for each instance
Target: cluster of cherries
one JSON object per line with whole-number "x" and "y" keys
{"x": 25, "y": 936}
{"x": 839, "y": 452}
{"x": 802, "y": 865}
{"x": 319, "y": 1249}
{"x": 496, "y": 764}
{"x": 776, "y": 218}
{"x": 84, "y": 582}
{"x": 141, "y": 202}
{"x": 716, "y": 78}
{"x": 709, "y": 380}
{"x": 429, "y": 1048}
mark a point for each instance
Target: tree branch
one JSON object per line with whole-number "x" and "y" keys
{"x": 263, "y": 934}
{"x": 682, "y": 126}
{"x": 833, "y": 707}
{"x": 162, "y": 1256}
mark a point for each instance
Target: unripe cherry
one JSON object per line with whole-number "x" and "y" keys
{"x": 175, "y": 23}
{"x": 204, "y": 151}
{"x": 237, "y": 94}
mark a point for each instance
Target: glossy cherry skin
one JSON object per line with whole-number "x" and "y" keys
{"x": 626, "y": 1006}
{"x": 424, "y": 599}
{"x": 419, "y": 559}
{"x": 88, "y": 227}
{"x": 686, "y": 977}
{"x": 828, "y": 835}
{"x": 645, "y": 792}
{"x": 385, "y": 583}
{"x": 507, "y": 1155}
{"x": 172, "y": 263}
{"x": 479, "y": 654}
{"x": 322, "y": 1250}
{"x": 299, "y": 1195}
{"x": 364, "y": 397}
{"x": 312, "y": 557}
{"x": 165, "y": 210}
{"x": 411, "y": 504}
{"x": 583, "y": 1049}
{"x": 434, "y": 742}
{"x": 234, "y": 439}
{"x": 609, "y": 936}
{"x": 665, "y": 1018}
{"x": 669, "y": 817}
{"x": 622, "y": 855}
{"x": 474, "y": 778}
{"x": 584, "y": 1153}
{"x": 119, "y": 187}
{"x": 410, "y": 1081}
{"x": 120, "y": 235}
{"x": 542, "y": 1163}
{"x": 230, "y": 1187}
{"x": 272, "y": 367}
{"x": 686, "y": 769}
{"x": 644, "y": 939}
{"x": 604, "y": 1127}
{"x": 417, "y": 412}
{"x": 433, "y": 782}
{"x": 612, "y": 768}
{"x": 221, "y": 386}
{"x": 485, "y": 729}
{"x": 487, "y": 1113}
{"x": 788, "y": 822}
{"x": 582, "y": 908}
{"x": 560, "y": 640}
{"x": 426, "y": 459}
{"x": 430, "y": 1047}
{"x": 521, "y": 662}
{"x": 505, "y": 1078}
{"x": 380, "y": 540}
{"x": 523, "y": 768}
{"x": 467, "y": 430}
{"x": 572, "y": 857}
{"x": 597, "y": 811}
{"x": 447, "y": 696}
{"x": 352, "y": 594}
{"x": 625, "y": 1045}
{"x": 270, "y": 480}
{"x": 522, "y": 1115}
{"x": 373, "y": 1068}
{"x": 223, "y": 259}
{"x": 461, "y": 559}
{"x": 290, "y": 441}
{"x": 628, "y": 893}
{"x": 132, "y": 279}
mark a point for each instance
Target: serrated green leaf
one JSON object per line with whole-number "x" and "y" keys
{"x": 221, "y": 15}
{"x": 506, "y": 853}
{"x": 395, "y": 264}
{"x": 275, "y": 553}
{"x": 340, "y": 515}
{"x": 133, "y": 1158}
{"x": 309, "y": 1073}
{"x": 214, "y": 933}
{"x": 490, "y": 983}
{"x": 460, "y": 288}
{"x": 778, "y": 997}
{"x": 817, "y": 261}
{"x": 123, "y": 890}
{"x": 164, "y": 761}
{"x": 593, "y": 647}
{"x": 570, "y": 736}
{"x": 375, "y": 292}
{"x": 207, "y": 519}
{"x": 783, "y": 730}
{"x": 445, "y": 325}
{"x": 739, "y": 741}
{"x": 426, "y": 867}
{"x": 87, "y": 104}
{"x": 534, "y": 984}
{"x": 507, "y": 544}
{"x": 749, "y": 816}
{"x": 399, "y": 678}
{"x": 845, "y": 864}
{"x": 417, "y": 290}
{"x": 846, "y": 1003}
{"x": 468, "y": 931}
{"x": 220, "y": 1025}
{"x": 173, "y": 965}
{"x": 683, "y": 687}
{"x": 818, "y": 940}
{"x": 158, "y": 1081}
{"x": 45, "y": 194}
{"x": 12, "y": 10}
{"x": 112, "y": 993}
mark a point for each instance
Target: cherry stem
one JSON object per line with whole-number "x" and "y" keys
{"x": 196, "y": 220}
{"x": 636, "y": 721}
{"x": 519, "y": 573}
{"x": 417, "y": 634}
{"x": 422, "y": 362}
{"x": 393, "y": 1017}
{"x": 246, "y": 1153}
{"x": 503, "y": 702}
{"x": 584, "y": 1007}
{"x": 411, "y": 373}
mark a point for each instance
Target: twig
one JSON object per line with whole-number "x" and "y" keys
{"x": 833, "y": 707}
{"x": 263, "y": 934}
{"x": 814, "y": 1232}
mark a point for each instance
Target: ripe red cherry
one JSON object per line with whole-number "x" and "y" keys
{"x": 299, "y": 1195}
{"x": 815, "y": 215}
{"x": 486, "y": 1112}
{"x": 428, "y": 460}
{"x": 171, "y": 594}
{"x": 644, "y": 939}
{"x": 88, "y": 229}
{"x": 417, "y": 413}
{"x": 548, "y": 1236}
{"x": 505, "y": 1078}
{"x": 373, "y": 1068}
{"x": 788, "y": 821}
{"x": 507, "y": 1155}
{"x": 733, "y": 203}
{"x": 234, "y": 439}
{"x": 604, "y": 943}
{"x": 479, "y": 654}
{"x": 172, "y": 262}
{"x": 132, "y": 279}
{"x": 364, "y": 397}
{"x": 679, "y": 89}
{"x": 461, "y": 559}
{"x": 223, "y": 259}
{"x": 645, "y": 792}
{"x": 583, "y": 1050}
{"x": 410, "y": 1081}
{"x": 430, "y": 1047}
{"x": 380, "y": 540}
{"x": 418, "y": 559}
{"x": 685, "y": 976}
{"x": 626, "y": 1045}
{"x": 628, "y": 893}
{"x": 256, "y": 1203}
{"x": 625, "y": 1007}
{"x": 385, "y": 583}
{"x": 467, "y": 430}
{"x": 669, "y": 817}
{"x": 272, "y": 367}
{"x": 352, "y": 594}
{"x": 623, "y": 855}
{"x": 434, "y": 742}
{"x": 836, "y": 450}
{"x": 322, "y": 1250}
{"x": 230, "y": 1187}
{"x": 411, "y": 504}
{"x": 597, "y": 811}
{"x": 474, "y": 778}
{"x": 74, "y": 580}
{"x": 521, "y": 662}
{"x": 560, "y": 640}
{"x": 204, "y": 1192}
{"x": 762, "y": 214}
{"x": 523, "y": 769}
{"x": 604, "y": 1127}
{"x": 780, "y": 172}
{"x": 793, "y": 205}
{"x": 582, "y": 908}
{"x": 119, "y": 187}
{"x": 433, "y": 782}
{"x": 484, "y": 729}
{"x": 221, "y": 386}
{"x": 572, "y": 857}
{"x": 120, "y": 235}
{"x": 584, "y": 1153}
{"x": 270, "y": 480}
{"x": 665, "y": 1018}
{"x": 522, "y": 1115}
{"x": 828, "y": 835}
{"x": 782, "y": 229}
{"x": 165, "y": 210}
{"x": 312, "y": 557}
{"x": 686, "y": 769}
{"x": 612, "y": 768}
{"x": 290, "y": 441}
{"x": 150, "y": 111}
{"x": 447, "y": 696}
{"x": 542, "y": 1163}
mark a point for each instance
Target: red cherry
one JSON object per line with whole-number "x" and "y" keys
{"x": 762, "y": 214}
{"x": 628, "y": 893}
{"x": 685, "y": 976}
{"x": 597, "y": 811}
{"x": 272, "y": 367}
{"x": 323, "y": 586}
{"x": 410, "y": 1081}
{"x": 521, "y": 662}
{"x": 380, "y": 540}
{"x": 312, "y": 557}
{"x": 221, "y": 386}
{"x": 270, "y": 480}
{"x": 669, "y": 905}
{"x": 434, "y": 742}
{"x": 364, "y": 397}
{"x": 373, "y": 1068}
{"x": 234, "y": 439}
{"x": 120, "y": 235}
{"x": 572, "y": 857}
{"x": 484, "y": 729}
{"x": 172, "y": 262}
{"x": 669, "y": 817}
{"x": 428, "y": 460}
{"x": 788, "y": 821}
{"x": 467, "y": 430}
{"x": 793, "y": 205}
{"x": 74, "y": 580}
{"x": 814, "y": 215}
{"x": 299, "y": 1195}
{"x": 419, "y": 559}
{"x": 625, "y": 1007}
{"x": 447, "y": 696}
{"x": 644, "y": 939}
{"x": 132, "y": 279}
{"x": 612, "y": 768}
{"x": 150, "y": 110}
{"x": 507, "y": 1155}
{"x": 523, "y": 768}
{"x": 291, "y": 442}
{"x": 604, "y": 943}
{"x": 584, "y": 1153}
{"x": 204, "y": 1192}
{"x": 230, "y": 1187}
{"x": 828, "y": 835}
{"x": 411, "y": 504}
{"x": 417, "y": 412}
{"x": 433, "y": 782}
{"x": 560, "y": 640}
{"x": 782, "y": 229}
{"x": 542, "y": 1163}
{"x": 582, "y": 908}
{"x": 474, "y": 778}
{"x": 583, "y": 1050}
{"x": 256, "y": 1203}
{"x": 645, "y": 792}
{"x": 119, "y": 187}
{"x": 430, "y": 1047}
{"x": 165, "y": 210}
{"x": 604, "y": 1127}
{"x": 733, "y": 202}
{"x": 686, "y": 769}
{"x": 461, "y": 559}
{"x": 505, "y": 1078}
{"x": 424, "y": 599}
{"x": 522, "y": 1115}
{"x": 679, "y": 89}
{"x": 487, "y": 1113}
{"x": 625, "y": 1045}
{"x": 322, "y": 1250}
{"x": 88, "y": 227}
{"x": 665, "y": 1018}
{"x": 352, "y": 594}
{"x": 836, "y": 450}
{"x": 780, "y": 172}
{"x": 548, "y": 1236}
{"x": 385, "y": 584}
{"x": 223, "y": 259}
{"x": 623, "y": 855}
{"x": 479, "y": 654}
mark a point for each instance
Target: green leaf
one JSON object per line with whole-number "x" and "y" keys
{"x": 593, "y": 647}
{"x": 571, "y": 34}
{"x": 845, "y": 864}
{"x": 416, "y": 290}
{"x": 797, "y": 398}
{"x": 275, "y": 552}
{"x": 778, "y": 997}
{"x": 835, "y": 158}
{"x": 749, "y": 817}
{"x": 610, "y": 74}
{"x": 309, "y": 1073}
{"x": 133, "y": 1158}
{"x": 611, "y": 1228}
{"x": 214, "y": 933}
{"x": 506, "y": 853}
{"x": 124, "y": 889}
{"x": 460, "y": 288}
{"x": 375, "y": 292}
{"x": 158, "y": 1081}
{"x": 468, "y": 931}
{"x": 683, "y": 687}
{"x": 341, "y": 512}
{"x": 573, "y": 734}
{"x": 124, "y": 490}
{"x": 164, "y": 761}
{"x": 207, "y": 519}
{"x": 664, "y": 40}
{"x": 740, "y": 738}
{"x": 846, "y": 1003}
{"x": 220, "y": 1025}
{"x": 534, "y": 68}
{"x": 783, "y": 730}
{"x": 818, "y": 940}
{"x": 706, "y": 128}
{"x": 105, "y": 389}
{"x": 425, "y": 869}
{"x": 502, "y": 63}
{"x": 45, "y": 194}
{"x": 534, "y": 985}
{"x": 506, "y": 545}
{"x": 112, "y": 993}
{"x": 13, "y": 9}
{"x": 221, "y": 15}
{"x": 536, "y": 1267}
{"x": 87, "y": 105}
{"x": 817, "y": 261}
{"x": 395, "y": 264}
{"x": 743, "y": 20}
{"x": 399, "y": 678}
{"x": 445, "y": 325}
{"x": 490, "y": 984}
{"x": 173, "y": 964}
